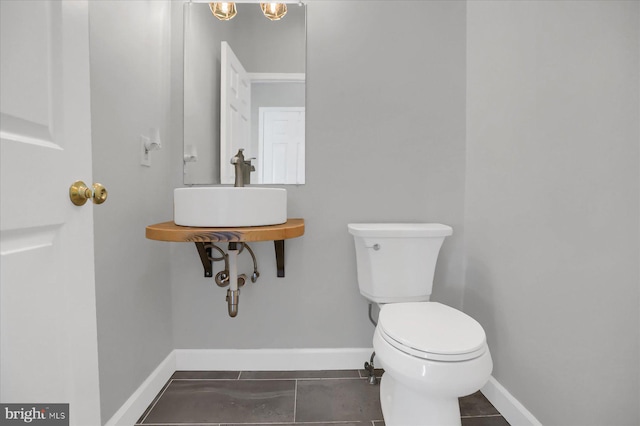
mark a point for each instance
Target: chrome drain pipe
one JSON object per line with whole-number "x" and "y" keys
{"x": 233, "y": 294}
{"x": 229, "y": 275}
{"x": 233, "y": 297}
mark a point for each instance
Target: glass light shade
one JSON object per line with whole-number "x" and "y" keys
{"x": 274, "y": 11}
{"x": 223, "y": 10}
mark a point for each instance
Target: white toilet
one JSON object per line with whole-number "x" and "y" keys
{"x": 432, "y": 354}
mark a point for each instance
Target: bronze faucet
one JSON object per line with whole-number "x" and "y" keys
{"x": 243, "y": 169}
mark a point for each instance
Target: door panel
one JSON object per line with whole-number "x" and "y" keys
{"x": 48, "y": 341}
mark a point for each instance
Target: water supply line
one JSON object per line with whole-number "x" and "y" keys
{"x": 222, "y": 277}
{"x": 374, "y": 322}
{"x": 371, "y": 374}
{"x": 256, "y": 274}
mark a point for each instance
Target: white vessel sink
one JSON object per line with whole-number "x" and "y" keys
{"x": 229, "y": 206}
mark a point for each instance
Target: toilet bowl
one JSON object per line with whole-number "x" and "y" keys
{"x": 432, "y": 354}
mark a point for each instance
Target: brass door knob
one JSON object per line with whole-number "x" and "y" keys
{"x": 99, "y": 193}
{"x": 79, "y": 193}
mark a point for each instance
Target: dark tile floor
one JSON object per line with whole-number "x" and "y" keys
{"x": 278, "y": 398}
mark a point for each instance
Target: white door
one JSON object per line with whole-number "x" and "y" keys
{"x": 48, "y": 342}
{"x": 281, "y": 141}
{"x": 235, "y": 111}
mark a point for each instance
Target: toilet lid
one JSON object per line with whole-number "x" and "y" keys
{"x": 431, "y": 330}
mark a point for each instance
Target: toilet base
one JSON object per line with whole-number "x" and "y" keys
{"x": 403, "y": 406}
{"x": 421, "y": 392}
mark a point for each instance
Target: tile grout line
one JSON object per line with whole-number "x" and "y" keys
{"x": 273, "y": 379}
{"x": 157, "y": 400}
{"x": 317, "y": 423}
{"x": 295, "y": 401}
{"x": 178, "y": 424}
{"x": 481, "y": 416}
{"x": 332, "y": 422}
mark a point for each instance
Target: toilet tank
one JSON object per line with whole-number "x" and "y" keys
{"x": 396, "y": 261}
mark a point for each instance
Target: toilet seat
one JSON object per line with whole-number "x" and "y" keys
{"x": 431, "y": 330}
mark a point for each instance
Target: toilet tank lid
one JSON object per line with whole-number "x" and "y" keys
{"x": 400, "y": 230}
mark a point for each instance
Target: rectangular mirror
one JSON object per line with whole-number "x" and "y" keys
{"x": 244, "y": 87}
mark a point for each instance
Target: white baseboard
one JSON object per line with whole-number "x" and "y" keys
{"x": 271, "y": 359}
{"x": 511, "y": 409}
{"x": 235, "y": 360}
{"x": 138, "y": 402}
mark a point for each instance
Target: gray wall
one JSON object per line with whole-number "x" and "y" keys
{"x": 269, "y": 46}
{"x": 202, "y": 90}
{"x": 552, "y": 203}
{"x": 385, "y": 142}
{"x": 129, "y": 95}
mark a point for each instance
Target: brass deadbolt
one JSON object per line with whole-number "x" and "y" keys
{"x": 79, "y": 193}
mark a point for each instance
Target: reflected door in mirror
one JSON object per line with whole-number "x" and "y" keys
{"x": 235, "y": 111}
{"x": 282, "y": 145}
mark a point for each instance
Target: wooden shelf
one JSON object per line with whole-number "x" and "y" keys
{"x": 169, "y": 231}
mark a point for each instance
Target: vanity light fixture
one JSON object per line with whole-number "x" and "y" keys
{"x": 223, "y": 10}
{"x": 226, "y": 10}
{"x": 274, "y": 11}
